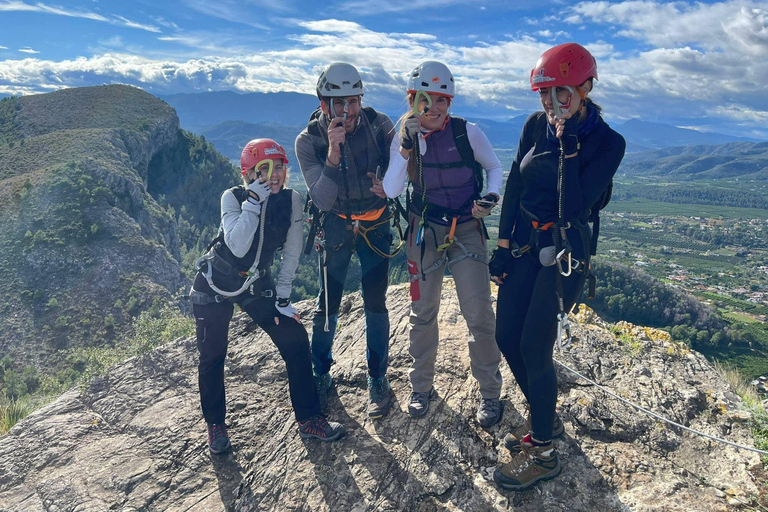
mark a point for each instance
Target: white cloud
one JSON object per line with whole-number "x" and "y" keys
{"x": 735, "y": 24}
{"x": 3, "y": 47}
{"x": 233, "y": 11}
{"x": 698, "y": 81}
{"x": 28, "y": 50}
{"x": 20, "y": 6}
{"x": 398, "y": 6}
{"x": 132, "y": 24}
{"x": 17, "y": 5}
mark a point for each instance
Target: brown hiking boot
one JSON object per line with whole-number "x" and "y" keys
{"x": 512, "y": 442}
{"x": 530, "y": 465}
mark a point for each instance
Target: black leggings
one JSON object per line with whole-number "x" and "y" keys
{"x": 526, "y": 331}
{"x": 290, "y": 337}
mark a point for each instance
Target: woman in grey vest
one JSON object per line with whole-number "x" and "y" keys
{"x": 442, "y": 157}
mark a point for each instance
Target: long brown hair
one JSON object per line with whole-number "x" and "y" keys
{"x": 412, "y": 171}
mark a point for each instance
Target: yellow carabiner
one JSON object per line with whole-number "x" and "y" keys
{"x": 416, "y": 101}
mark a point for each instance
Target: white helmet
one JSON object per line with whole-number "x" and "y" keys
{"x": 432, "y": 77}
{"x": 339, "y": 80}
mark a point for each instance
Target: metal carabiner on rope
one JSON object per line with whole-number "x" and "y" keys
{"x": 563, "y": 330}
{"x": 558, "y": 260}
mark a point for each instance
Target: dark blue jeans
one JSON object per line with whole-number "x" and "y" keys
{"x": 340, "y": 244}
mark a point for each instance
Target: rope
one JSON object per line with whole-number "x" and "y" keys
{"x": 661, "y": 418}
{"x": 253, "y": 272}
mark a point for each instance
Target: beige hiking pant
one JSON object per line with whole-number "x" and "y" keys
{"x": 472, "y": 281}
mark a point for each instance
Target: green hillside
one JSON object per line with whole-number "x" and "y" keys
{"x": 102, "y": 199}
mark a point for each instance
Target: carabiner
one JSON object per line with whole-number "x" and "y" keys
{"x": 420, "y": 235}
{"x": 416, "y": 100}
{"x": 559, "y": 257}
{"x": 563, "y": 328}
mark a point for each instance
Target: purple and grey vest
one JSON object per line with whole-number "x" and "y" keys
{"x": 451, "y": 185}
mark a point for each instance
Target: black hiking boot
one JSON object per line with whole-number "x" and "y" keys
{"x": 379, "y": 399}
{"x": 218, "y": 439}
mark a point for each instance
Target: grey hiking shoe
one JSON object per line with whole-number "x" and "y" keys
{"x": 418, "y": 405}
{"x": 323, "y": 384}
{"x": 218, "y": 439}
{"x": 318, "y": 427}
{"x": 379, "y": 399}
{"x": 490, "y": 411}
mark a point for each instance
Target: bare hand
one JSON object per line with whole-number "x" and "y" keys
{"x": 295, "y": 317}
{"x": 560, "y": 124}
{"x": 377, "y": 187}
{"x": 499, "y": 280}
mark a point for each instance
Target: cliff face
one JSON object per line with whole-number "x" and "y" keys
{"x": 86, "y": 245}
{"x": 135, "y": 439}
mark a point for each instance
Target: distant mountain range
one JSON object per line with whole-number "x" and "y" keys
{"x": 643, "y": 135}
{"x": 200, "y": 112}
{"x": 743, "y": 160}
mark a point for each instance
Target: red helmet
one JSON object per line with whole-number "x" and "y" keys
{"x": 259, "y": 150}
{"x": 565, "y": 64}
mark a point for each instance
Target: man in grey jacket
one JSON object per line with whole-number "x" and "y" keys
{"x": 342, "y": 154}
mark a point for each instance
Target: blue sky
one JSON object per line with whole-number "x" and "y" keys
{"x": 702, "y": 65}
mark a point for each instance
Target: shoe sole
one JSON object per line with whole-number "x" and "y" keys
{"x": 379, "y": 414}
{"x": 542, "y": 478}
{"x": 324, "y": 439}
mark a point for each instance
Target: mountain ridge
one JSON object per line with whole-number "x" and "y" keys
{"x": 88, "y": 245}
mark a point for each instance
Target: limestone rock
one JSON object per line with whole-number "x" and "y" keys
{"x": 135, "y": 439}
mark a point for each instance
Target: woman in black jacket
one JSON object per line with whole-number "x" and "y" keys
{"x": 257, "y": 219}
{"x": 565, "y": 162}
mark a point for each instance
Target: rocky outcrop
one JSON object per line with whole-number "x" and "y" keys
{"x": 135, "y": 439}
{"x": 79, "y": 226}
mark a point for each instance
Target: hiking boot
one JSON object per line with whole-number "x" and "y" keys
{"x": 512, "y": 442}
{"x": 418, "y": 405}
{"x": 490, "y": 411}
{"x": 323, "y": 384}
{"x": 530, "y": 465}
{"x": 218, "y": 439}
{"x": 320, "y": 428}
{"x": 379, "y": 399}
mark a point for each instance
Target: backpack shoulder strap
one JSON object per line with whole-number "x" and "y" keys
{"x": 461, "y": 139}
{"x": 319, "y": 141}
{"x": 378, "y": 133}
{"x": 459, "y": 127}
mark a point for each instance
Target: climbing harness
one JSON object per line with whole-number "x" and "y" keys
{"x": 254, "y": 273}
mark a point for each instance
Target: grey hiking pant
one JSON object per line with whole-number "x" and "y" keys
{"x": 472, "y": 281}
